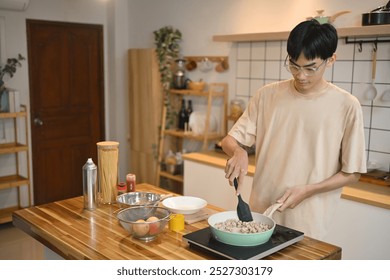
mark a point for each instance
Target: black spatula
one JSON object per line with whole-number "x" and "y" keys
{"x": 243, "y": 210}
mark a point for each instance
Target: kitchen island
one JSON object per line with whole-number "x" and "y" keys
{"x": 74, "y": 233}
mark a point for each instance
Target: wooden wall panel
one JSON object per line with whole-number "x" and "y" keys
{"x": 145, "y": 105}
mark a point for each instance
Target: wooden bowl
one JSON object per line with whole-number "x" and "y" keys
{"x": 198, "y": 86}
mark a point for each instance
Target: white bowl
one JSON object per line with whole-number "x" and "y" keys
{"x": 184, "y": 204}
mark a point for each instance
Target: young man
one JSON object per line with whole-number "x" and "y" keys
{"x": 308, "y": 134}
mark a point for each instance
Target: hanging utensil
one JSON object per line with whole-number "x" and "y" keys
{"x": 371, "y": 92}
{"x": 243, "y": 211}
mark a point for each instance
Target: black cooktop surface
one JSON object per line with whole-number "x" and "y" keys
{"x": 281, "y": 238}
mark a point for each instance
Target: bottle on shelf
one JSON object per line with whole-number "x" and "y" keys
{"x": 189, "y": 111}
{"x": 182, "y": 115}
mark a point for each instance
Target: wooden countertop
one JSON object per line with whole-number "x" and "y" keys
{"x": 217, "y": 159}
{"x": 363, "y": 192}
{"x": 74, "y": 233}
{"x": 375, "y": 195}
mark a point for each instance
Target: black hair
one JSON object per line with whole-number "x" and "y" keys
{"x": 313, "y": 39}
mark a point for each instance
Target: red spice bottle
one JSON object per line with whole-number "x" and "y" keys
{"x": 122, "y": 188}
{"x": 130, "y": 182}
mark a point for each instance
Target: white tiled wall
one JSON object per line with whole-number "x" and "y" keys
{"x": 259, "y": 63}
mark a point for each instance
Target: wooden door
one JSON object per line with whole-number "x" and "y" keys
{"x": 67, "y": 104}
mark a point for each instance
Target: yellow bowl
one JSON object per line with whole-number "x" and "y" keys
{"x": 196, "y": 85}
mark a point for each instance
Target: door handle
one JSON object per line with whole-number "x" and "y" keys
{"x": 38, "y": 122}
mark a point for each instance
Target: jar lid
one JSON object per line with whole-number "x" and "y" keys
{"x": 107, "y": 145}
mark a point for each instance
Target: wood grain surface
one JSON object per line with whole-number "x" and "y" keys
{"x": 74, "y": 233}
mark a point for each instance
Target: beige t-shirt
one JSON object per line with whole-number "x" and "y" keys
{"x": 301, "y": 139}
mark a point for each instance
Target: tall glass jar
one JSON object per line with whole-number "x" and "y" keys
{"x": 108, "y": 156}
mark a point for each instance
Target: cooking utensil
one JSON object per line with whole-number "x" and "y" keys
{"x": 243, "y": 210}
{"x": 191, "y": 65}
{"x": 132, "y": 199}
{"x": 371, "y": 91}
{"x": 321, "y": 18}
{"x": 380, "y": 15}
{"x": 222, "y": 66}
{"x": 241, "y": 239}
{"x": 280, "y": 239}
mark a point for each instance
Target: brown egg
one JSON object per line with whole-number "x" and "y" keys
{"x": 140, "y": 229}
{"x": 154, "y": 228}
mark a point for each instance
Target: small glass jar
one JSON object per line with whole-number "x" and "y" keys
{"x": 122, "y": 188}
{"x": 237, "y": 107}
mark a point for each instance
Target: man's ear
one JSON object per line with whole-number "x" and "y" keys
{"x": 331, "y": 60}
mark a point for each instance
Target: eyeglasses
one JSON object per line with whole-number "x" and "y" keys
{"x": 307, "y": 71}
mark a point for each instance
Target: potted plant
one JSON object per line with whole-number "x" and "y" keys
{"x": 167, "y": 48}
{"x": 8, "y": 70}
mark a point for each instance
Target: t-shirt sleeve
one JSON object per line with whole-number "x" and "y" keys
{"x": 353, "y": 155}
{"x": 244, "y": 130}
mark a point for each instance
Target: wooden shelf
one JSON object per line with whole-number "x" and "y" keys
{"x": 190, "y": 135}
{"x": 214, "y": 90}
{"x": 13, "y": 181}
{"x": 178, "y": 178}
{"x": 12, "y": 115}
{"x": 197, "y": 92}
{"x": 359, "y": 31}
{"x": 6, "y": 214}
{"x": 15, "y": 147}
{"x": 9, "y": 148}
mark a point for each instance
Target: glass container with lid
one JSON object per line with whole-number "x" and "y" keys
{"x": 237, "y": 107}
{"x": 108, "y": 154}
{"x": 179, "y": 77}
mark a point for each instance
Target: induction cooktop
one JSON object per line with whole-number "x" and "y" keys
{"x": 281, "y": 238}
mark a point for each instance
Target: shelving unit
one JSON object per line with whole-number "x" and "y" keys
{"x": 15, "y": 180}
{"x": 215, "y": 90}
{"x": 356, "y": 31}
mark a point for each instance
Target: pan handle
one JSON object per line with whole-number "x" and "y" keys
{"x": 270, "y": 210}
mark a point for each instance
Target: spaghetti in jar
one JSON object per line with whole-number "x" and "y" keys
{"x": 108, "y": 155}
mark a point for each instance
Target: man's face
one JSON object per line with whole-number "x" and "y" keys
{"x": 308, "y": 73}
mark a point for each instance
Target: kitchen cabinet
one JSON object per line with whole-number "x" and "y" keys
{"x": 16, "y": 148}
{"x": 362, "y": 231}
{"x": 215, "y": 90}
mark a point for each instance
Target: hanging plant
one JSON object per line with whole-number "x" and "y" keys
{"x": 8, "y": 70}
{"x": 167, "y": 48}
